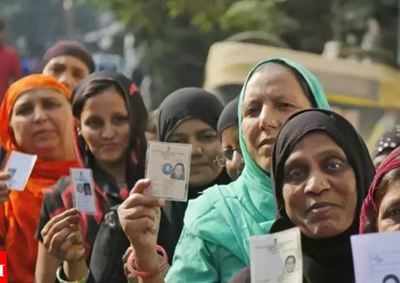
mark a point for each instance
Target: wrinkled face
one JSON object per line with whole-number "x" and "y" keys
{"x": 389, "y": 209}
{"x": 231, "y": 148}
{"x": 104, "y": 125}
{"x": 319, "y": 187}
{"x": 205, "y": 149}
{"x": 272, "y": 95}
{"x": 68, "y": 70}
{"x": 42, "y": 123}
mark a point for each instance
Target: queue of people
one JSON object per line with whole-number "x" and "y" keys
{"x": 274, "y": 158}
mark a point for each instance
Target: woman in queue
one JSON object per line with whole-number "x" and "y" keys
{"x": 321, "y": 172}
{"x": 110, "y": 117}
{"x": 36, "y": 118}
{"x": 214, "y": 242}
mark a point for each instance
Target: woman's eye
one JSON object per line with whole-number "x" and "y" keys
{"x": 24, "y": 110}
{"x": 94, "y": 123}
{"x": 334, "y": 164}
{"x": 395, "y": 212}
{"x": 120, "y": 120}
{"x": 207, "y": 137}
{"x": 252, "y": 110}
{"x": 295, "y": 175}
{"x": 284, "y": 105}
{"x": 51, "y": 104}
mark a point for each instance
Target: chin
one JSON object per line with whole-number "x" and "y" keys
{"x": 324, "y": 231}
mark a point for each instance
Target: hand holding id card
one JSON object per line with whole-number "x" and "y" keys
{"x": 19, "y": 166}
{"x": 376, "y": 257}
{"x": 82, "y": 180}
{"x": 276, "y": 258}
{"x": 168, "y": 168}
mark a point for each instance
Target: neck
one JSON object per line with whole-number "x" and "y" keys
{"x": 115, "y": 169}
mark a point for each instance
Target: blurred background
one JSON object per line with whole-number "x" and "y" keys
{"x": 353, "y": 46}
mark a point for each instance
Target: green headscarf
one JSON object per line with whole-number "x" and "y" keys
{"x": 316, "y": 91}
{"x": 227, "y": 215}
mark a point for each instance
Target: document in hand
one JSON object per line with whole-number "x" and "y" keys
{"x": 168, "y": 168}
{"x": 84, "y": 196}
{"x": 276, "y": 258}
{"x": 376, "y": 257}
{"x": 19, "y": 166}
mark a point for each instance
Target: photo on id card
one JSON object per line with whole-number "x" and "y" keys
{"x": 82, "y": 180}
{"x": 168, "y": 168}
{"x": 277, "y": 257}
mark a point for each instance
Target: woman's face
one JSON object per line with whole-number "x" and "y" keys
{"x": 42, "y": 124}
{"x": 272, "y": 95}
{"x": 319, "y": 187}
{"x": 389, "y": 209}
{"x": 233, "y": 158}
{"x": 68, "y": 70}
{"x": 205, "y": 149}
{"x": 104, "y": 125}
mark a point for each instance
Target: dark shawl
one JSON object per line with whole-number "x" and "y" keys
{"x": 329, "y": 259}
{"x": 179, "y": 106}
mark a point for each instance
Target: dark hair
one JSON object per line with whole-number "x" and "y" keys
{"x": 299, "y": 77}
{"x": 99, "y": 82}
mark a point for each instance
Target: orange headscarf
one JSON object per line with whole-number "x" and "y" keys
{"x": 19, "y": 216}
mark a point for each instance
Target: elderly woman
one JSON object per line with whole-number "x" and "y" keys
{"x": 321, "y": 172}
{"x": 218, "y": 224}
{"x": 36, "y": 118}
{"x": 381, "y": 207}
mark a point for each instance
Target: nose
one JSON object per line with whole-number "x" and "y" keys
{"x": 108, "y": 131}
{"x": 66, "y": 79}
{"x": 269, "y": 118}
{"x": 317, "y": 183}
{"x": 39, "y": 114}
{"x": 197, "y": 148}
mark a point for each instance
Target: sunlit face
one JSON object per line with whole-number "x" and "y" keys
{"x": 205, "y": 149}
{"x": 42, "y": 124}
{"x": 272, "y": 95}
{"x": 389, "y": 209}
{"x": 319, "y": 187}
{"x": 233, "y": 158}
{"x": 104, "y": 125}
{"x": 67, "y": 69}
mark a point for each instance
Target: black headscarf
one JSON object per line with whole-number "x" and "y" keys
{"x": 327, "y": 259}
{"x": 179, "y": 106}
{"x": 229, "y": 116}
{"x": 187, "y": 103}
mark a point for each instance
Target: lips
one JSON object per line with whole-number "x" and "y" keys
{"x": 320, "y": 207}
{"x": 266, "y": 142}
{"x": 43, "y": 132}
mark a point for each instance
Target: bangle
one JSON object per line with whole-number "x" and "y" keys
{"x": 132, "y": 268}
{"x": 61, "y": 277}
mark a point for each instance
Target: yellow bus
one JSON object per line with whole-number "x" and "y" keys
{"x": 368, "y": 94}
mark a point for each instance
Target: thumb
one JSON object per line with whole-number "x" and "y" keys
{"x": 141, "y": 186}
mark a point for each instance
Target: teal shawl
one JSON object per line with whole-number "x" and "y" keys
{"x": 227, "y": 215}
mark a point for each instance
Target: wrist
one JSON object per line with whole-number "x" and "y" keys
{"x": 148, "y": 267}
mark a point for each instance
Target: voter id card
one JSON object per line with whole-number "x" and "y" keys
{"x": 82, "y": 180}
{"x": 168, "y": 168}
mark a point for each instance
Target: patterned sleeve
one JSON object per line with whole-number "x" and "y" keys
{"x": 52, "y": 205}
